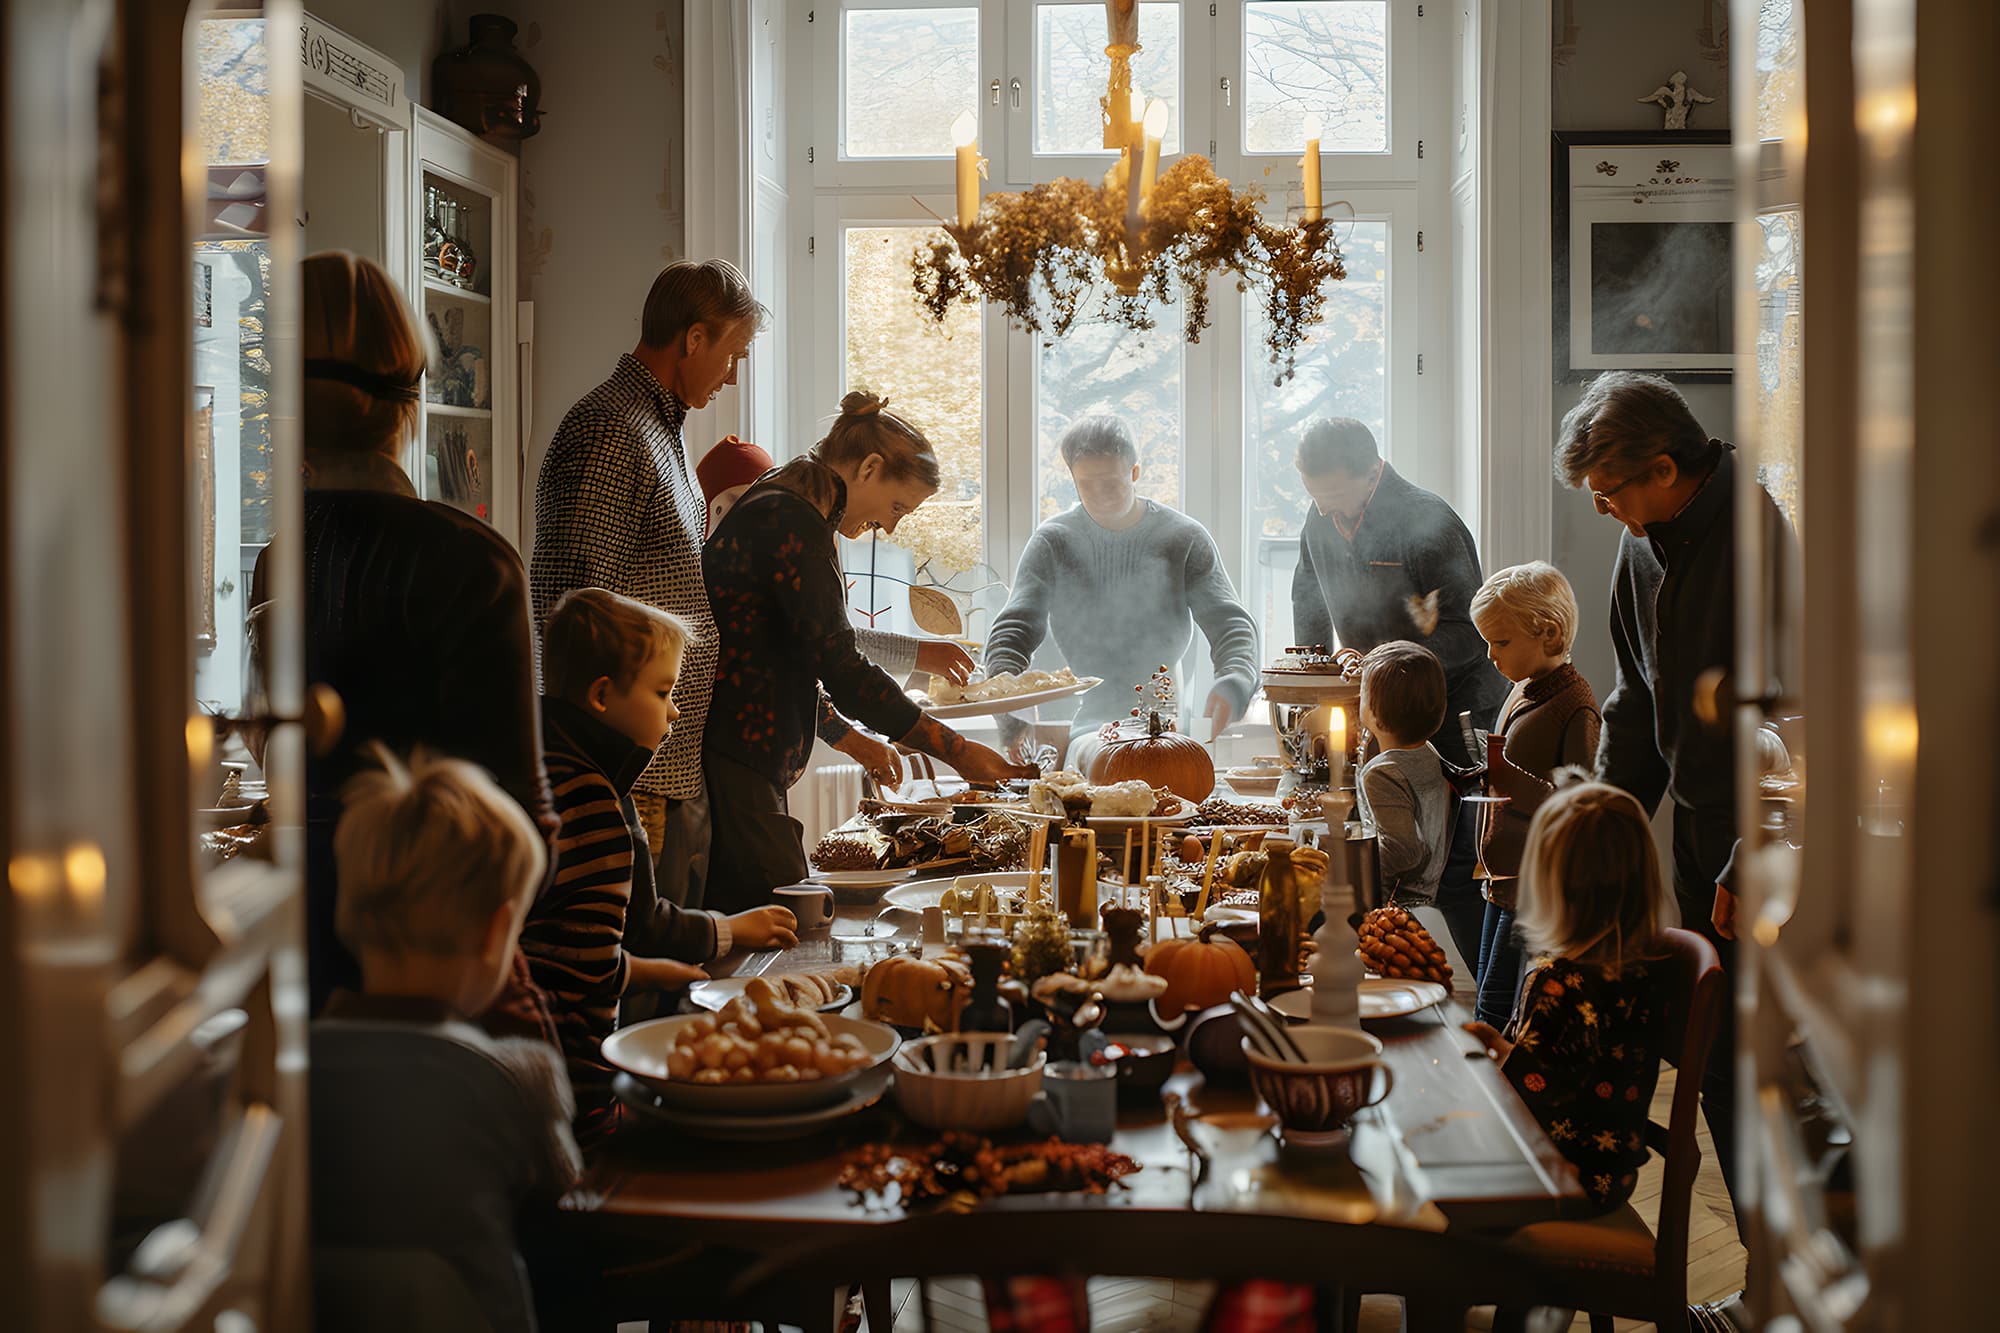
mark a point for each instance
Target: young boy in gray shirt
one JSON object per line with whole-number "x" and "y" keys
{"x": 1122, "y": 582}
{"x": 1403, "y": 789}
{"x": 428, "y": 1135}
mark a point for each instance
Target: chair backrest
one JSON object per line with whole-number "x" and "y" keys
{"x": 1696, "y": 992}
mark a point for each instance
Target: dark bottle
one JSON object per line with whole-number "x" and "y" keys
{"x": 1279, "y": 924}
{"x": 987, "y": 1010}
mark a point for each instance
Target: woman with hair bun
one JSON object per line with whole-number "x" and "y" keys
{"x": 787, "y": 656}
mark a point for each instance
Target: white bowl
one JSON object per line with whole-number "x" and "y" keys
{"x": 960, "y": 1081}
{"x": 641, "y": 1051}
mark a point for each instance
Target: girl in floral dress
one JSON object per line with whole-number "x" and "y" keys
{"x": 1584, "y": 1047}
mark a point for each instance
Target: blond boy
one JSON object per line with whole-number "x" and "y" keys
{"x": 1527, "y": 615}
{"x": 601, "y": 931}
{"x": 428, "y": 1134}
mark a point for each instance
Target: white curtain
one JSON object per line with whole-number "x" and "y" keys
{"x": 715, "y": 64}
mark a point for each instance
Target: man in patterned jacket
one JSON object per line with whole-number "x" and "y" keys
{"x": 618, "y": 507}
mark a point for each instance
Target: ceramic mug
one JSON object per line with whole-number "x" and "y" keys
{"x": 1078, "y": 1103}
{"x": 1342, "y": 1073}
{"x": 812, "y": 904}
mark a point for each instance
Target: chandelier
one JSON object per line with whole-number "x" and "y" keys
{"x": 1048, "y": 254}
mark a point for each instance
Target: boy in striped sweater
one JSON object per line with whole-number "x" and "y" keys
{"x": 608, "y": 666}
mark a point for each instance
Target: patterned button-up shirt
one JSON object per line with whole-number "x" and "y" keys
{"x": 617, "y": 507}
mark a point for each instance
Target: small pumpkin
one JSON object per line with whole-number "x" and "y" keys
{"x": 1157, "y": 755}
{"x": 1201, "y": 971}
{"x": 916, "y": 992}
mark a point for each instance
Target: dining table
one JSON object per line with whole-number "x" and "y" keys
{"x": 667, "y": 1219}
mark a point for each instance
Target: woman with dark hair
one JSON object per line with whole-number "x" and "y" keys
{"x": 415, "y": 613}
{"x": 787, "y": 647}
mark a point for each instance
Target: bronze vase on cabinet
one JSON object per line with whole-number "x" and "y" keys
{"x": 486, "y": 86}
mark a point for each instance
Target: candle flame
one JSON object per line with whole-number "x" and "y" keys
{"x": 1156, "y": 119}
{"x": 83, "y": 867}
{"x": 964, "y": 130}
{"x": 1312, "y": 126}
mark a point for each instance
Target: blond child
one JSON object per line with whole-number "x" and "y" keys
{"x": 1584, "y": 1051}
{"x": 1403, "y": 789}
{"x": 1527, "y": 615}
{"x": 428, "y": 1134}
{"x": 601, "y": 931}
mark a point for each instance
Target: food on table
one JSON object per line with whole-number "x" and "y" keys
{"x": 926, "y": 993}
{"x": 1041, "y": 943}
{"x": 761, "y": 1036}
{"x": 1003, "y": 685}
{"x": 224, "y": 843}
{"x": 1125, "y": 983}
{"x": 852, "y": 849}
{"x": 1201, "y": 971}
{"x": 1395, "y": 944}
{"x": 811, "y": 989}
{"x": 1155, "y": 754}
{"x": 1221, "y": 810}
{"x": 994, "y": 841}
{"x": 1317, "y": 660}
{"x": 1119, "y": 800}
{"x": 968, "y": 1166}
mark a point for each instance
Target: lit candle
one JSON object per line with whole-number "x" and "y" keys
{"x": 1336, "y": 747}
{"x": 1156, "y": 130}
{"x": 964, "y": 133}
{"x": 1312, "y": 167}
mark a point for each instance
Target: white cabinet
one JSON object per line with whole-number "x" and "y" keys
{"x": 468, "y": 451}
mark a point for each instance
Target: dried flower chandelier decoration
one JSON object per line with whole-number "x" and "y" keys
{"x": 1134, "y": 236}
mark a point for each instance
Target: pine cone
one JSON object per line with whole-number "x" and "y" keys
{"x": 1394, "y": 944}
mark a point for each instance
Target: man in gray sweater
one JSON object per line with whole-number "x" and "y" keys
{"x": 1121, "y": 582}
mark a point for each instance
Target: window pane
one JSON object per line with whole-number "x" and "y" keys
{"x": 1133, "y": 376}
{"x": 909, "y": 73}
{"x": 1071, "y": 70}
{"x": 933, "y": 377}
{"x": 1324, "y": 56}
{"x": 1780, "y": 358}
{"x": 1343, "y": 371}
{"x": 1780, "y": 104}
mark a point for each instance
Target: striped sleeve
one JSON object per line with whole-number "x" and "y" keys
{"x": 574, "y": 935}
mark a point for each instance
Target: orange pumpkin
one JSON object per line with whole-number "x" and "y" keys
{"x": 916, "y": 992}
{"x": 1158, "y": 756}
{"x": 1201, "y": 971}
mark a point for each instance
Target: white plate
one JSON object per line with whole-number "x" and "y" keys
{"x": 1014, "y": 703}
{"x": 641, "y": 1051}
{"x": 740, "y": 1128}
{"x": 860, "y": 879}
{"x": 718, "y": 991}
{"x": 930, "y": 892}
{"x": 1381, "y": 997}
{"x": 1253, "y": 781}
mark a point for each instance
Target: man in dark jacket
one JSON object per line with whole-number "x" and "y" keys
{"x": 1381, "y": 559}
{"x": 1649, "y": 464}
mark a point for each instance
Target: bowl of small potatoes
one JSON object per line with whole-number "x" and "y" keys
{"x": 760, "y": 1054}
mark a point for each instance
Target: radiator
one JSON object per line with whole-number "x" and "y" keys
{"x": 825, "y": 799}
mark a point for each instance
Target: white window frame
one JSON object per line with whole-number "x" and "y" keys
{"x": 1412, "y": 196}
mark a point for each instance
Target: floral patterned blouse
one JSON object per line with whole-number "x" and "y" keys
{"x": 1586, "y": 1057}
{"x": 780, "y": 606}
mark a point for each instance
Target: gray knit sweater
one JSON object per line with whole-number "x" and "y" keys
{"x": 1404, "y": 795}
{"x": 1122, "y": 604}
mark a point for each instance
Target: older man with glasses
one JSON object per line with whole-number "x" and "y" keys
{"x": 1633, "y": 443}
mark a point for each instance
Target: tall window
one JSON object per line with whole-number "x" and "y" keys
{"x": 1216, "y": 435}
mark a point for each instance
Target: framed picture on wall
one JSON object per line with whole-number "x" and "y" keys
{"x": 1643, "y": 231}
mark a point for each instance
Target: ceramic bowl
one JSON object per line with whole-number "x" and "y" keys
{"x": 1314, "y": 1100}
{"x": 1145, "y": 1070}
{"x": 641, "y": 1051}
{"x": 961, "y": 1081}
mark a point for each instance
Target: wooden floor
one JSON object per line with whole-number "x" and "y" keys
{"x": 1127, "y": 1305}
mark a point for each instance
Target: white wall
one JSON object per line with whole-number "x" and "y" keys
{"x": 1608, "y": 53}
{"x": 601, "y": 192}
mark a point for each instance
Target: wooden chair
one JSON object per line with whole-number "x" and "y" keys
{"x": 1099, "y": 1241}
{"x": 1612, "y": 1265}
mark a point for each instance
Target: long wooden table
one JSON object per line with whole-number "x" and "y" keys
{"x": 1452, "y": 1147}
